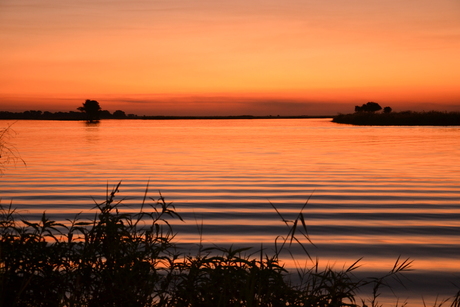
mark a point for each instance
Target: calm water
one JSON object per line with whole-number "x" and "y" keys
{"x": 374, "y": 192}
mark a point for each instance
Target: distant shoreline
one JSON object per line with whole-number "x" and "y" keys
{"x": 81, "y": 117}
{"x": 227, "y": 117}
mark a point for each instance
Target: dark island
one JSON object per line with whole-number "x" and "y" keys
{"x": 368, "y": 114}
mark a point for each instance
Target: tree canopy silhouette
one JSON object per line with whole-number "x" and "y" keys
{"x": 387, "y": 110}
{"x": 92, "y": 110}
{"x": 368, "y": 107}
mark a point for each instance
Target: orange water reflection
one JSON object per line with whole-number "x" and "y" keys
{"x": 377, "y": 192}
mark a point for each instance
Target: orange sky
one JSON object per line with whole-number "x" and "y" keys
{"x": 208, "y": 57}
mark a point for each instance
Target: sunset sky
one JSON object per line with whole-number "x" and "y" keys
{"x": 211, "y": 57}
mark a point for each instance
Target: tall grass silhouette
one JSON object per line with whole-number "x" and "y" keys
{"x": 8, "y": 153}
{"x": 132, "y": 259}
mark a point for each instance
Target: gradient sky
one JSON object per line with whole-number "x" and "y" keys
{"x": 211, "y": 57}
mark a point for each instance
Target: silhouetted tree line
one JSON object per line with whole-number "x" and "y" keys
{"x": 90, "y": 111}
{"x": 71, "y": 115}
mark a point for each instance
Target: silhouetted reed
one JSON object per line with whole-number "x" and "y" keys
{"x": 131, "y": 259}
{"x": 8, "y": 153}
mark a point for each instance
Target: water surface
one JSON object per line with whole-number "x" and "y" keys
{"x": 372, "y": 192}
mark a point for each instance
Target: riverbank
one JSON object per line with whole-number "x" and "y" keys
{"x": 406, "y": 118}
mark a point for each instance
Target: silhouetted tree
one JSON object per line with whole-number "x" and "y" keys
{"x": 368, "y": 107}
{"x": 92, "y": 109}
{"x": 387, "y": 110}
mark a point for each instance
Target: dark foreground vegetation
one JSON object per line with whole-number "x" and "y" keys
{"x": 406, "y": 118}
{"x": 130, "y": 259}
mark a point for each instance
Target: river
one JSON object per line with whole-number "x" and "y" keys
{"x": 372, "y": 192}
